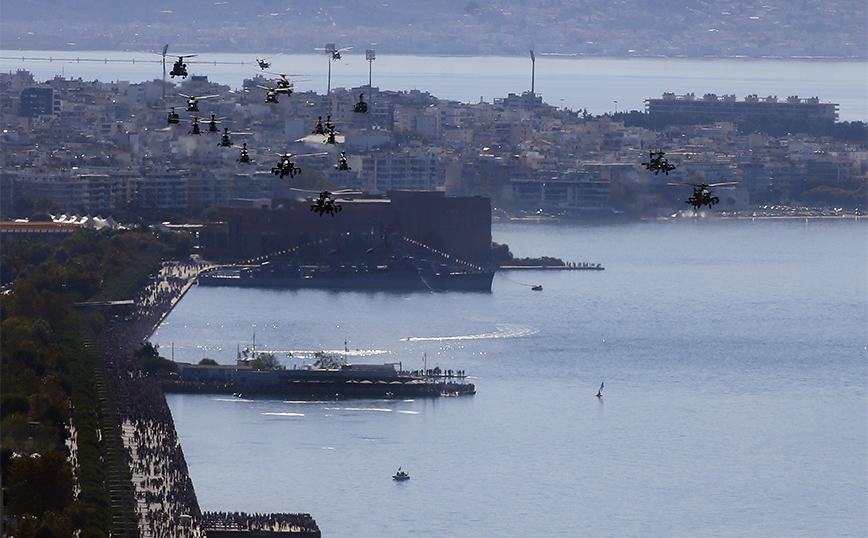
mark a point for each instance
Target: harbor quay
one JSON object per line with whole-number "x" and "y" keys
{"x": 579, "y": 267}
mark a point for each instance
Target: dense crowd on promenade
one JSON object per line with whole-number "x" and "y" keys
{"x": 164, "y": 492}
{"x": 265, "y": 522}
{"x": 166, "y": 502}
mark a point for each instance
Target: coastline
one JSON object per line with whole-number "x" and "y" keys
{"x": 162, "y": 488}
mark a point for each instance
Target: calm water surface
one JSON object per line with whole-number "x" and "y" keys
{"x": 599, "y": 84}
{"x": 733, "y": 354}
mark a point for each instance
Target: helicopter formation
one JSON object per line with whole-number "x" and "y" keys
{"x": 281, "y": 85}
{"x": 701, "y": 195}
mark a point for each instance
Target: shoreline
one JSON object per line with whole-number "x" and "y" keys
{"x": 706, "y": 216}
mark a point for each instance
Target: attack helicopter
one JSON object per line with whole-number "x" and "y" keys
{"x": 320, "y": 128}
{"x": 342, "y": 163}
{"x": 331, "y": 134}
{"x": 361, "y": 107}
{"x": 226, "y": 141}
{"x": 288, "y": 168}
{"x": 194, "y": 127}
{"x": 174, "y": 118}
{"x": 325, "y": 204}
{"x": 326, "y": 128}
{"x": 701, "y": 194}
{"x": 193, "y": 101}
{"x": 657, "y": 163}
{"x": 244, "y": 158}
{"x": 212, "y": 124}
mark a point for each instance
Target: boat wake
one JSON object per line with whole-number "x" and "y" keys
{"x": 505, "y": 331}
{"x": 377, "y": 409}
{"x": 312, "y": 354}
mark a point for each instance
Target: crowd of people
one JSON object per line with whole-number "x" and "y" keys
{"x": 164, "y": 492}
{"x": 166, "y": 502}
{"x": 301, "y": 523}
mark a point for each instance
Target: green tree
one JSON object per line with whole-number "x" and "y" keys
{"x": 39, "y": 483}
{"x": 267, "y": 361}
{"x": 500, "y": 253}
{"x": 328, "y": 361}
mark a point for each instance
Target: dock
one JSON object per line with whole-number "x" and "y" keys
{"x": 577, "y": 267}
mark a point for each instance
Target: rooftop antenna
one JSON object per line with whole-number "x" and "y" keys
{"x": 532, "y": 72}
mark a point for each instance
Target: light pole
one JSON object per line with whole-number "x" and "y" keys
{"x": 532, "y": 72}
{"x": 370, "y": 56}
{"x": 330, "y": 50}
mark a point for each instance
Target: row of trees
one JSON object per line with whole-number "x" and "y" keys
{"x": 51, "y": 409}
{"x": 855, "y": 132}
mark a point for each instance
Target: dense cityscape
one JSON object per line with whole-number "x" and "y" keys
{"x": 115, "y": 196}
{"x": 89, "y": 148}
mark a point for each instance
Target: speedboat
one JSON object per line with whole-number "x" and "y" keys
{"x": 401, "y": 475}
{"x": 538, "y": 287}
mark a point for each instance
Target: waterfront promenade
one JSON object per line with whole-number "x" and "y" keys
{"x": 165, "y": 499}
{"x": 166, "y": 503}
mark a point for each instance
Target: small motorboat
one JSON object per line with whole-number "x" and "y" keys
{"x": 538, "y": 287}
{"x": 401, "y": 475}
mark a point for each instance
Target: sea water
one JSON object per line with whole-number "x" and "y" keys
{"x": 600, "y": 85}
{"x": 734, "y": 355}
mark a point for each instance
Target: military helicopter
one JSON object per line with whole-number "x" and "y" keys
{"x": 212, "y": 124}
{"x": 330, "y": 134}
{"x": 701, "y": 195}
{"x": 226, "y": 141}
{"x": 270, "y": 95}
{"x": 361, "y": 107}
{"x": 194, "y": 128}
{"x": 244, "y": 158}
{"x": 173, "y": 118}
{"x": 342, "y": 163}
{"x": 284, "y": 85}
{"x": 326, "y": 128}
{"x": 320, "y": 127}
{"x": 179, "y": 69}
{"x": 336, "y": 53}
{"x": 325, "y": 204}
{"x": 193, "y": 101}
{"x": 658, "y": 163}
{"x": 288, "y": 168}
{"x": 265, "y": 63}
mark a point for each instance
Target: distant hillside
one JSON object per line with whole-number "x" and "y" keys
{"x": 692, "y": 28}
